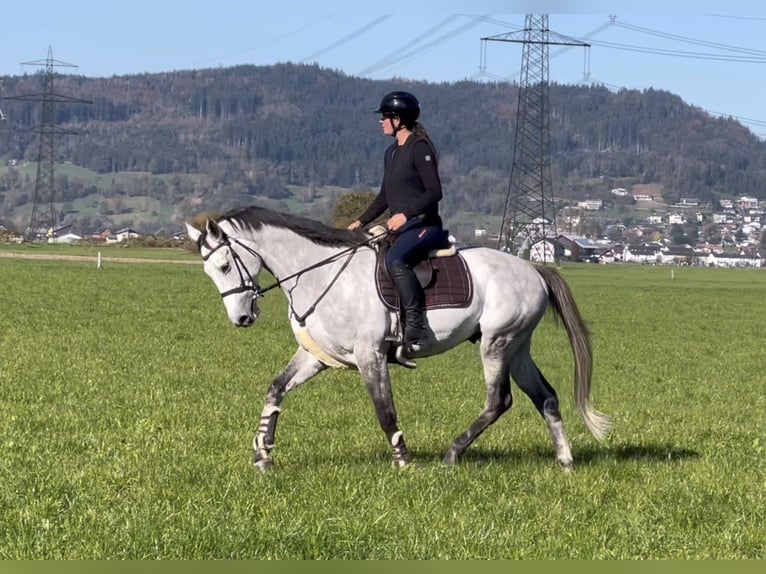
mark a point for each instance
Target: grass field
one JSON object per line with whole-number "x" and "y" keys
{"x": 129, "y": 404}
{"x": 108, "y": 252}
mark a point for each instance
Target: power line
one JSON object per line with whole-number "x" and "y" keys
{"x": 682, "y": 53}
{"x": 753, "y": 18}
{"x": 265, "y": 43}
{"x": 385, "y": 60}
{"x": 565, "y": 47}
{"x": 416, "y": 52}
{"x": 759, "y": 56}
{"x": 687, "y": 39}
{"x": 363, "y": 29}
{"x": 740, "y": 119}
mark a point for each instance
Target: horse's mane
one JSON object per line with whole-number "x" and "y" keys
{"x": 255, "y": 217}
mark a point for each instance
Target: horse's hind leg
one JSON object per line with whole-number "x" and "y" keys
{"x": 530, "y": 380}
{"x": 302, "y": 367}
{"x": 499, "y": 400}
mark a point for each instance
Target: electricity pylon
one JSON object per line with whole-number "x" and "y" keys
{"x": 48, "y": 130}
{"x": 530, "y": 211}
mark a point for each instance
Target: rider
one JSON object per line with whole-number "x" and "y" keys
{"x": 411, "y": 191}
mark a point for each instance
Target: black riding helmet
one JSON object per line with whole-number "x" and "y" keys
{"x": 402, "y": 105}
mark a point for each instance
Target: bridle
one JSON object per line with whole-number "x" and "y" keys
{"x": 245, "y": 277}
{"x": 246, "y": 282}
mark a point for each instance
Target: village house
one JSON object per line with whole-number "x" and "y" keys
{"x": 68, "y": 237}
{"x": 543, "y": 250}
{"x": 733, "y": 260}
{"x": 644, "y": 253}
{"x": 125, "y": 234}
{"x": 747, "y": 202}
{"x": 591, "y": 205}
{"x": 576, "y": 248}
{"x": 676, "y": 219}
{"x": 679, "y": 255}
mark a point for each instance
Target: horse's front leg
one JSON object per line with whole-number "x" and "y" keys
{"x": 302, "y": 367}
{"x": 374, "y": 370}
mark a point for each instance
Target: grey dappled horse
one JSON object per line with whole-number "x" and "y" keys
{"x": 339, "y": 321}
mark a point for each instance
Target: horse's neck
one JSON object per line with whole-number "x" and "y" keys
{"x": 286, "y": 253}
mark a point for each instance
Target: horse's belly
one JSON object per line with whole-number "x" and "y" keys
{"x": 451, "y": 327}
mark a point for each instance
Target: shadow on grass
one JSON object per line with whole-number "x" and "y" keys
{"x": 582, "y": 455}
{"x": 590, "y": 455}
{"x": 652, "y": 452}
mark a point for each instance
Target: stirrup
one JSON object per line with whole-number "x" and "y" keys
{"x": 403, "y": 359}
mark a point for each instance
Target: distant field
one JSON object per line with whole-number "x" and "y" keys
{"x": 101, "y": 180}
{"x": 129, "y": 405}
{"x": 145, "y": 209}
{"x": 107, "y": 251}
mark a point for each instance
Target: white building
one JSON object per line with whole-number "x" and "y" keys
{"x": 66, "y": 238}
{"x": 591, "y": 204}
{"x": 124, "y": 235}
{"x": 747, "y": 202}
{"x": 676, "y": 218}
{"x": 543, "y": 250}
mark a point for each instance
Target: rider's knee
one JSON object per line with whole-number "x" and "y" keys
{"x": 396, "y": 265}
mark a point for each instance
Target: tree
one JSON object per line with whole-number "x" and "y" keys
{"x": 711, "y": 233}
{"x": 350, "y": 206}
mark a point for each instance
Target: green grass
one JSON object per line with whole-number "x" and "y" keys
{"x": 129, "y": 404}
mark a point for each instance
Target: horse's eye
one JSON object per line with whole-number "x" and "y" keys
{"x": 226, "y": 268}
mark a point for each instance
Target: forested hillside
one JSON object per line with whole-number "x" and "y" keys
{"x": 216, "y": 138}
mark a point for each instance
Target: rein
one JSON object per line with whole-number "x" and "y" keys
{"x": 246, "y": 280}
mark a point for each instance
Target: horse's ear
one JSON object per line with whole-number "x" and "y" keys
{"x": 214, "y": 230}
{"x": 193, "y": 232}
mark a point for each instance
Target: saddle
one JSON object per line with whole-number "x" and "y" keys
{"x": 444, "y": 276}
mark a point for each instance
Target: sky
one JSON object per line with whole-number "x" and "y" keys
{"x": 711, "y": 54}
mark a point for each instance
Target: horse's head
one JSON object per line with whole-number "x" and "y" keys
{"x": 234, "y": 268}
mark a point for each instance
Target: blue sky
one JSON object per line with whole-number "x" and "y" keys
{"x": 712, "y": 54}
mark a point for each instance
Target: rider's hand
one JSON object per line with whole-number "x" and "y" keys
{"x": 354, "y": 225}
{"x": 396, "y": 221}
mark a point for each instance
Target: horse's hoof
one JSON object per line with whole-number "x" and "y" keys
{"x": 451, "y": 458}
{"x": 264, "y": 465}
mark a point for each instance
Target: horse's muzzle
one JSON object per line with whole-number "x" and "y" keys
{"x": 249, "y": 319}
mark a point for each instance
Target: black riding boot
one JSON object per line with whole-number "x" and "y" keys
{"x": 414, "y": 301}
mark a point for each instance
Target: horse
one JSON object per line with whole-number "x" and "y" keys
{"x": 339, "y": 321}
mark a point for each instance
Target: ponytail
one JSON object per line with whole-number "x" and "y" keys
{"x": 420, "y": 133}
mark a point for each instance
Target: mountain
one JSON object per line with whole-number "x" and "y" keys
{"x": 153, "y": 149}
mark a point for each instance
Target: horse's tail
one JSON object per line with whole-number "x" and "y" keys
{"x": 566, "y": 310}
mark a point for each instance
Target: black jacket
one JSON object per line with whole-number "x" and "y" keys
{"x": 411, "y": 183}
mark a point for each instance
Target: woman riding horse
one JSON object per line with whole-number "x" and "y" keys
{"x": 411, "y": 191}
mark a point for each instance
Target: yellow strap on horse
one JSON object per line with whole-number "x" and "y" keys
{"x": 306, "y": 341}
